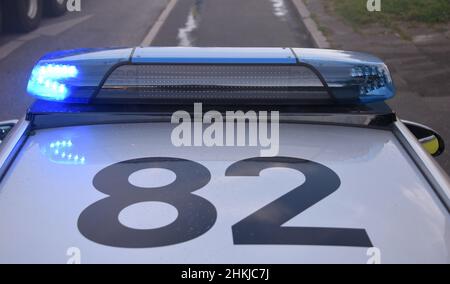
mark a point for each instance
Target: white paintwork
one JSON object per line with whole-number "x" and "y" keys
{"x": 442, "y": 179}
{"x": 381, "y": 191}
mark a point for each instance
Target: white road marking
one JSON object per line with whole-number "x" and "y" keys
{"x": 279, "y": 8}
{"x": 185, "y": 33}
{"x": 49, "y": 30}
{"x": 158, "y": 24}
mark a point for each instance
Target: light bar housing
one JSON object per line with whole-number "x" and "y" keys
{"x": 177, "y": 74}
{"x": 91, "y": 65}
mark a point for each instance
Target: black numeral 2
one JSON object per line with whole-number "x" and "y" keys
{"x": 196, "y": 215}
{"x": 265, "y": 225}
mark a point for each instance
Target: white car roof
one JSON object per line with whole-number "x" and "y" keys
{"x": 381, "y": 192}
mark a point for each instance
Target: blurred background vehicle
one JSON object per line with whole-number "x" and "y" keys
{"x": 26, "y": 15}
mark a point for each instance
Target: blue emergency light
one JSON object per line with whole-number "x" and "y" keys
{"x": 145, "y": 75}
{"x": 48, "y": 80}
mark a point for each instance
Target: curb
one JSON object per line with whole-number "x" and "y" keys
{"x": 317, "y": 36}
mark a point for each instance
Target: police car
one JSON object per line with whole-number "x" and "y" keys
{"x": 92, "y": 174}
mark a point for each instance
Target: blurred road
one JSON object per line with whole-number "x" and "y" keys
{"x": 236, "y": 23}
{"x": 105, "y": 23}
{"x": 108, "y": 23}
{"x": 100, "y": 23}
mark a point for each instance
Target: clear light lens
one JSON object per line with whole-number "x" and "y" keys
{"x": 371, "y": 79}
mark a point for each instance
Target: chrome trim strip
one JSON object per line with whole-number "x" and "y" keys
{"x": 14, "y": 121}
{"x": 12, "y": 144}
{"x": 432, "y": 171}
{"x": 427, "y": 139}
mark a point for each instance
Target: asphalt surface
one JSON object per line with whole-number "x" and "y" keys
{"x": 107, "y": 23}
{"x": 100, "y": 23}
{"x": 234, "y": 23}
{"x": 111, "y": 23}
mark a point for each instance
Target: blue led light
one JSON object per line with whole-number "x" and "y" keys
{"x": 372, "y": 81}
{"x": 351, "y": 76}
{"x": 48, "y": 81}
{"x": 73, "y": 76}
{"x": 55, "y": 72}
{"x": 61, "y": 144}
{"x": 62, "y": 152}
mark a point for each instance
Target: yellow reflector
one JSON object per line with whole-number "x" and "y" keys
{"x": 431, "y": 145}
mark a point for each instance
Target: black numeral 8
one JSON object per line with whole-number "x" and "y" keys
{"x": 196, "y": 215}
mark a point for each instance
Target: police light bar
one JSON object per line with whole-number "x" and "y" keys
{"x": 168, "y": 75}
